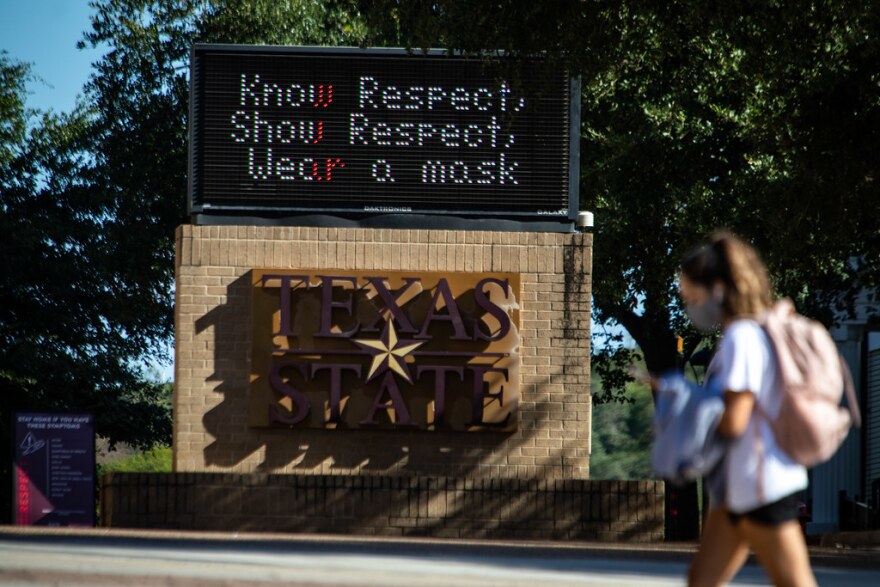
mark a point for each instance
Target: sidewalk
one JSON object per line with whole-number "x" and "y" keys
{"x": 841, "y": 550}
{"x": 867, "y": 540}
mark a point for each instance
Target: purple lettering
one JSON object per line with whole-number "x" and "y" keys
{"x": 453, "y": 315}
{"x": 401, "y": 413}
{"x": 336, "y": 370}
{"x": 284, "y": 328}
{"x": 391, "y": 303}
{"x": 485, "y": 302}
{"x": 481, "y": 393}
{"x": 440, "y": 373}
{"x": 327, "y": 306}
{"x": 299, "y": 399}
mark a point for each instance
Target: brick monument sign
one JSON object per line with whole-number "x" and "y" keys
{"x": 424, "y": 376}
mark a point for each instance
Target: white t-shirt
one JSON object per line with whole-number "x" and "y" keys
{"x": 745, "y": 362}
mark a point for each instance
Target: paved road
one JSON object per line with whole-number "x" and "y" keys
{"x": 39, "y": 560}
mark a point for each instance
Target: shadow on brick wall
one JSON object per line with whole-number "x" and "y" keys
{"x": 626, "y": 511}
{"x": 527, "y": 484}
{"x": 283, "y": 449}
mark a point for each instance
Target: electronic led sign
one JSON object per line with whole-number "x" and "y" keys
{"x": 350, "y": 133}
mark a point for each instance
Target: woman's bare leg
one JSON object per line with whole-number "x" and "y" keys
{"x": 722, "y": 552}
{"x": 782, "y": 552}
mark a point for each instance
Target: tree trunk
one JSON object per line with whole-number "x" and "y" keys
{"x": 655, "y": 339}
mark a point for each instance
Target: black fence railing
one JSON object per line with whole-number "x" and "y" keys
{"x": 856, "y": 515}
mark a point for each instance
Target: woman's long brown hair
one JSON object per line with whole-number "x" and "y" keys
{"x": 736, "y": 264}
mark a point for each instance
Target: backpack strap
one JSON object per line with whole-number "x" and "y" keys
{"x": 849, "y": 389}
{"x": 760, "y": 447}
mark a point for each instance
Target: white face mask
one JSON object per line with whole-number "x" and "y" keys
{"x": 706, "y": 316}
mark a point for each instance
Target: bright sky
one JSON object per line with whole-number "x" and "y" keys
{"x": 44, "y": 33}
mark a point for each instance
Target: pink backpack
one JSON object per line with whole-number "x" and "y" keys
{"x": 811, "y": 424}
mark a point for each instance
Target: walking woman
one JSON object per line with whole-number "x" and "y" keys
{"x": 725, "y": 283}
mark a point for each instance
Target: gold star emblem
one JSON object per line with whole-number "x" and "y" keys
{"x": 389, "y": 352}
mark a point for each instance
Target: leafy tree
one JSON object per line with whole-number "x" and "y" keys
{"x": 13, "y": 118}
{"x": 621, "y": 435}
{"x": 71, "y": 328}
{"x": 89, "y": 202}
{"x": 763, "y": 118}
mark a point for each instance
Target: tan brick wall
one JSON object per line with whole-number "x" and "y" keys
{"x": 618, "y": 511}
{"x": 213, "y": 345}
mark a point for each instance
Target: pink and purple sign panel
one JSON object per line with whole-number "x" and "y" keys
{"x": 54, "y": 480}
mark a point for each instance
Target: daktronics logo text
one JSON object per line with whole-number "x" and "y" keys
{"x": 386, "y": 350}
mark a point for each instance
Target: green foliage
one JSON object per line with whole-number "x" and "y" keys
{"x": 70, "y": 325}
{"x": 282, "y": 22}
{"x": 13, "y": 117}
{"x": 89, "y": 201}
{"x": 153, "y": 460}
{"x": 609, "y": 363}
{"x": 764, "y": 119}
{"x": 621, "y": 435}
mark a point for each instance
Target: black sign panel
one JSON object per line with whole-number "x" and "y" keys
{"x": 54, "y": 481}
{"x": 379, "y": 131}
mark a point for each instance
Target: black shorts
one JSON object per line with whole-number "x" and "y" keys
{"x": 772, "y": 514}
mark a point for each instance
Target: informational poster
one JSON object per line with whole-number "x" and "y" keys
{"x": 54, "y": 477}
